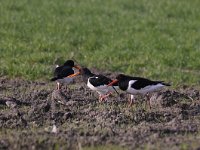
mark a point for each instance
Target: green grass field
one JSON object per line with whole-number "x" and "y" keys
{"x": 158, "y": 39}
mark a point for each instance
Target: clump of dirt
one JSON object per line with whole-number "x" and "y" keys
{"x": 33, "y": 115}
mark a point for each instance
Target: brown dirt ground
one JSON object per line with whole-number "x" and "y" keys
{"x": 29, "y": 110}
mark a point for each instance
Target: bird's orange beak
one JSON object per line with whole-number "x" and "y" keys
{"x": 73, "y": 75}
{"x": 113, "y": 82}
{"x": 77, "y": 67}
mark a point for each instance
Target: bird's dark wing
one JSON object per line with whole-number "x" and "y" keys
{"x": 63, "y": 71}
{"x": 142, "y": 82}
{"x": 98, "y": 80}
{"x": 57, "y": 71}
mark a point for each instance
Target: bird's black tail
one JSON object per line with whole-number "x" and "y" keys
{"x": 166, "y": 84}
{"x": 54, "y": 79}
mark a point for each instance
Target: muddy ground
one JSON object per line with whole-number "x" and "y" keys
{"x": 31, "y": 117}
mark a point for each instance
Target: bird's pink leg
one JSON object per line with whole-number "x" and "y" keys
{"x": 130, "y": 100}
{"x": 148, "y": 101}
{"x": 57, "y": 86}
{"x": 103, "y": 97}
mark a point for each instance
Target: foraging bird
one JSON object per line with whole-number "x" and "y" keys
{"x": 98, "y": 83}
{"x": 62, "y": 73}
{"x": 137, "y": 86}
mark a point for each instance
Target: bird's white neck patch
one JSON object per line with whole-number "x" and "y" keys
{"x": 131, "y": 82}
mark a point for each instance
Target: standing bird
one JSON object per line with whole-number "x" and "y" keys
{"x": 137, "y": 86}
{"x": 98, "y": 83}
{"x": 62, "y": 73}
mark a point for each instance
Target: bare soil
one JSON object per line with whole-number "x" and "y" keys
{"x": 35, "y": 116}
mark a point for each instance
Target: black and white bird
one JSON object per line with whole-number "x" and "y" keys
{"x": 64, "y": 74}
{"x": 98, "y": 83}
{"x": 138, "y": 86}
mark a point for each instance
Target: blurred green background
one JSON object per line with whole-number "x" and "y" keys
{"x": 158, "y": 39}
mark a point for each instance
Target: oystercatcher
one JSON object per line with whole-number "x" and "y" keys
{"x": 62, "y": 73}
{"x": 98, "y": 83}
{"x": 138, "y": 86}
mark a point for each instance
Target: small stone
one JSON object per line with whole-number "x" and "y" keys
{"x": 11, "y": 104}
{"x": 54, "y": 129}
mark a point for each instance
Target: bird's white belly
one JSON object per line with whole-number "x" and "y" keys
{"x": 102, "y": 90}
{"x": 66, "y": 80}
{"x": 145, "y": 90}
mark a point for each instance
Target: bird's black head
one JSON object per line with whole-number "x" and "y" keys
{"x": 69, "y": 63}
{"x": 120, "y": 76}
{"x": 117, "y": 80}
{"x": 85, "y": 71}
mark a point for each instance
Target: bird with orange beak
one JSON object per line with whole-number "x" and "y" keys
{"x": 62, "y": 73}
{"x": 137, "y": 86}
{"x": 98, "y": 83}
